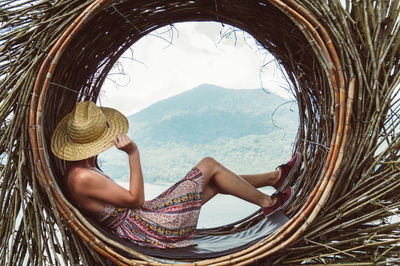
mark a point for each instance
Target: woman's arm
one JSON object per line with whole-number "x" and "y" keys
{"x": 136, "y": 185}
{"x": 98, "y": 187}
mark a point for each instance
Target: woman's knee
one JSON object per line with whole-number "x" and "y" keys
{"x": 208, "y": 161}
{"x": 208, "y": 165}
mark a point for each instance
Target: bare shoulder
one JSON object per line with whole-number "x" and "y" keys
{"x": 85, "y": 178}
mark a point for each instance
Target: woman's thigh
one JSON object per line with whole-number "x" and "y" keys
{"x": 209, "y": 191}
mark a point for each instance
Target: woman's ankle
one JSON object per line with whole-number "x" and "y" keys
{"x": 277, "y": 176}
{"x": 268, "y": 202}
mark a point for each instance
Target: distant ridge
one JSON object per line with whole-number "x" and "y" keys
{"x": 212, "y": 95}
{"x": 207, "y": 112}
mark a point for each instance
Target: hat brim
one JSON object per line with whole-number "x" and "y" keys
{"x": 64, "y": 148}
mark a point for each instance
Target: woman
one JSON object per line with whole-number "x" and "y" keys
{"x": 168, "y": 221}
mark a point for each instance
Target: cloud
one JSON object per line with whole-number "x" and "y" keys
{"x": 197, "y": 55}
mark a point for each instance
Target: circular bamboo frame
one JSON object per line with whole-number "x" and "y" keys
{"x": 292, "y": 230}
{"x": 341, "y": 89}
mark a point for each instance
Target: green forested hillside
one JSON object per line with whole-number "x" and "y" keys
{"x": 236, "y": 127}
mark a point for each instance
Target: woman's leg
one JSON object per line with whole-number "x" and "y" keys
{"x": 279, "y": 178}
{"x": 263, "y": 180}
{"x": 218, "y": 179}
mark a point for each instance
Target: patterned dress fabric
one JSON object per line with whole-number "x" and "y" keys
{"x": 167, "y": 221}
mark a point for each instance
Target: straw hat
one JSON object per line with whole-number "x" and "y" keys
{"x": 87, "y": 131}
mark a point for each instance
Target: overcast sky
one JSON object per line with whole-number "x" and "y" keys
{"x": 156, "y": 69}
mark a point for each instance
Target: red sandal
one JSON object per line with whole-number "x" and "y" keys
{"x": 282, "y": 200}
{"x": 288, "y": 170}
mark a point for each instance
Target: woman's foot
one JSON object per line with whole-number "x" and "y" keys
{"x": 288, "y": 170}
{"x": 282, "y": 200}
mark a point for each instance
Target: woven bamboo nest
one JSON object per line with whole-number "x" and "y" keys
{"x": 344, "y": 66}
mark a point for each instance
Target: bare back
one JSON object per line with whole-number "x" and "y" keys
{"x": 74, "y": 182}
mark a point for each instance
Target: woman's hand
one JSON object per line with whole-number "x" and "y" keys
{"x": 124, "y": 143}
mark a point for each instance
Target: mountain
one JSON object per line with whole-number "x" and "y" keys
{"x": 246, "y": 130}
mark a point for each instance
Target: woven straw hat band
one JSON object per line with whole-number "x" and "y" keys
{"x": 87, "y": 123}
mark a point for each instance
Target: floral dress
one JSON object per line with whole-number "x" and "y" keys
{"x": 167, "y": 221}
